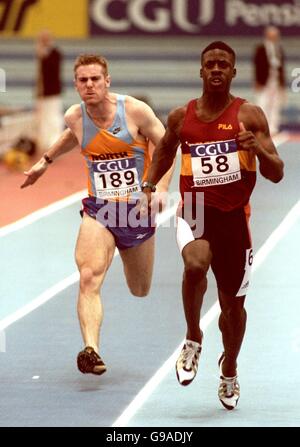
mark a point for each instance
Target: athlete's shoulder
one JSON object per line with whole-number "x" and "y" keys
{"x": 72, "y": 114}
{"x": 251, "y": 115}
{"x": 137, "y": 104}
{"x": 251, "y": 110}
{"x": 176, "y": 116}
{"x": 139, "y": 112}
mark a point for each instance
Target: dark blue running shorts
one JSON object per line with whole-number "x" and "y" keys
{"x": 121, "y": 219}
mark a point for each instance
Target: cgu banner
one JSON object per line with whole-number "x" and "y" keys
{"x": 25, "y": 18}
{"x": 193, "y": 17}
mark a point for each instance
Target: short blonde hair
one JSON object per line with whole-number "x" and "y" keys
{"x": 88, "y": 59}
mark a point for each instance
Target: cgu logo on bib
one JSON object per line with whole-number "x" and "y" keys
{"x": 116, "y": 165}
{"x": 213, "y": 149}
{"x": 150, "y": 16}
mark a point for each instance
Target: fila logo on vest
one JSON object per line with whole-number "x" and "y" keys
{"x": 224, "y": 126}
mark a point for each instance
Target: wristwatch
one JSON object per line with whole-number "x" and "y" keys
{"x": 47, "y": 158}
{"x": 148, "y": 185}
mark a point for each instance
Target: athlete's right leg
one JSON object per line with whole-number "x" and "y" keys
{"x": 94, "y": 253}
{"x": 196, "y": 254}
{"x": 197, "y": 257}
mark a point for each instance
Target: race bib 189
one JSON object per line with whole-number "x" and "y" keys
{"x": 115, "y": 178}
{"x": 215, "y": 163}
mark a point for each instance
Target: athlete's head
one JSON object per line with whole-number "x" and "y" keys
{"x": 91, "y": 77}
{"x": 217, "y": 67}
{"x": 91, "y": 59}
{"x": 219, "y": 45}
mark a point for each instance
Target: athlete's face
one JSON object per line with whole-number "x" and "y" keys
{"x": 217, "y": 70}
{"x": 91, "y": 83}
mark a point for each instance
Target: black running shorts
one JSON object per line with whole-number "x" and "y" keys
{"x": 230, "y": 242}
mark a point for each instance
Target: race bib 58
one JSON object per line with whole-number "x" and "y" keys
{"x": 215, "y": 163}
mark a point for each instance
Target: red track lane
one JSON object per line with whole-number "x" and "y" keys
{"x": 64, "y": 177}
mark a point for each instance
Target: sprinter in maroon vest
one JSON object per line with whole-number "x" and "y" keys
{"x": 221, "y": 137}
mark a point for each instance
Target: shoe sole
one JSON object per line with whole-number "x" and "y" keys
{"x": 83, "y": 364}
{"x": 185, "y": 382}
{"x": 228, "y": 407}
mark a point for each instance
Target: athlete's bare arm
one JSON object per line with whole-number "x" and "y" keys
{"x": 166, "y": 149}
{"x": 163, "y": 156}
{"x": 254, "y": 135}
{"x": 151, "y": 128}
{"x": 73, "y": 119}
{"x": 66, "y": 142}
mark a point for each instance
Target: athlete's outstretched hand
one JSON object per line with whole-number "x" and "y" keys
{"x": 151, "y": 203}
{"x": 246, "y": 139}
{"x": 35, "y": 172}
{"x": 144, "y": 203}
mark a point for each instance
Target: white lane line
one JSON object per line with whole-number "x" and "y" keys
{"x": 213, "y": 312}
{"x": 42, "y": 212}
{"x": 37, "y": 302}
{"x": 62, "y": 285}
{"x": 287, "y": 223}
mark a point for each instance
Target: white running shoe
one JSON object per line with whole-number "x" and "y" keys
{"x": 229, "y": 388}
{"x": 187, "y": 363}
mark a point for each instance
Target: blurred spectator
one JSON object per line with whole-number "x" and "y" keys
{"x": 49, "y": 86}
{"x": 270, "y": 77}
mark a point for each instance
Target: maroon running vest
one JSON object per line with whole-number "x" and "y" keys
{"x": 212, "y": 161}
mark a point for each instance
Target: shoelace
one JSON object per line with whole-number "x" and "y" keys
{"x": 187, "y": 355}
{"x": 229, "y": 386}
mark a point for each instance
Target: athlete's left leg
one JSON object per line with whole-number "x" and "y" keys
{"x": 232, "y": 260}
{"x": 138, "y": 266}
{"x": 232, "y": 324}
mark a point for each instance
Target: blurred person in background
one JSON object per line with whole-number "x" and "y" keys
{"x": 49, "y": 87}
{"x": 270, "y": 77}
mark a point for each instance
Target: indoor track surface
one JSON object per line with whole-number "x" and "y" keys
{"x": 40, "y": 337}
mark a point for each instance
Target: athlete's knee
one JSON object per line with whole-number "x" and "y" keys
{"x": 90, "y": 278}
{"x": 235, "y": 314}
{"x": 195, "y": 271}
{"x": 139, "y": 290}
